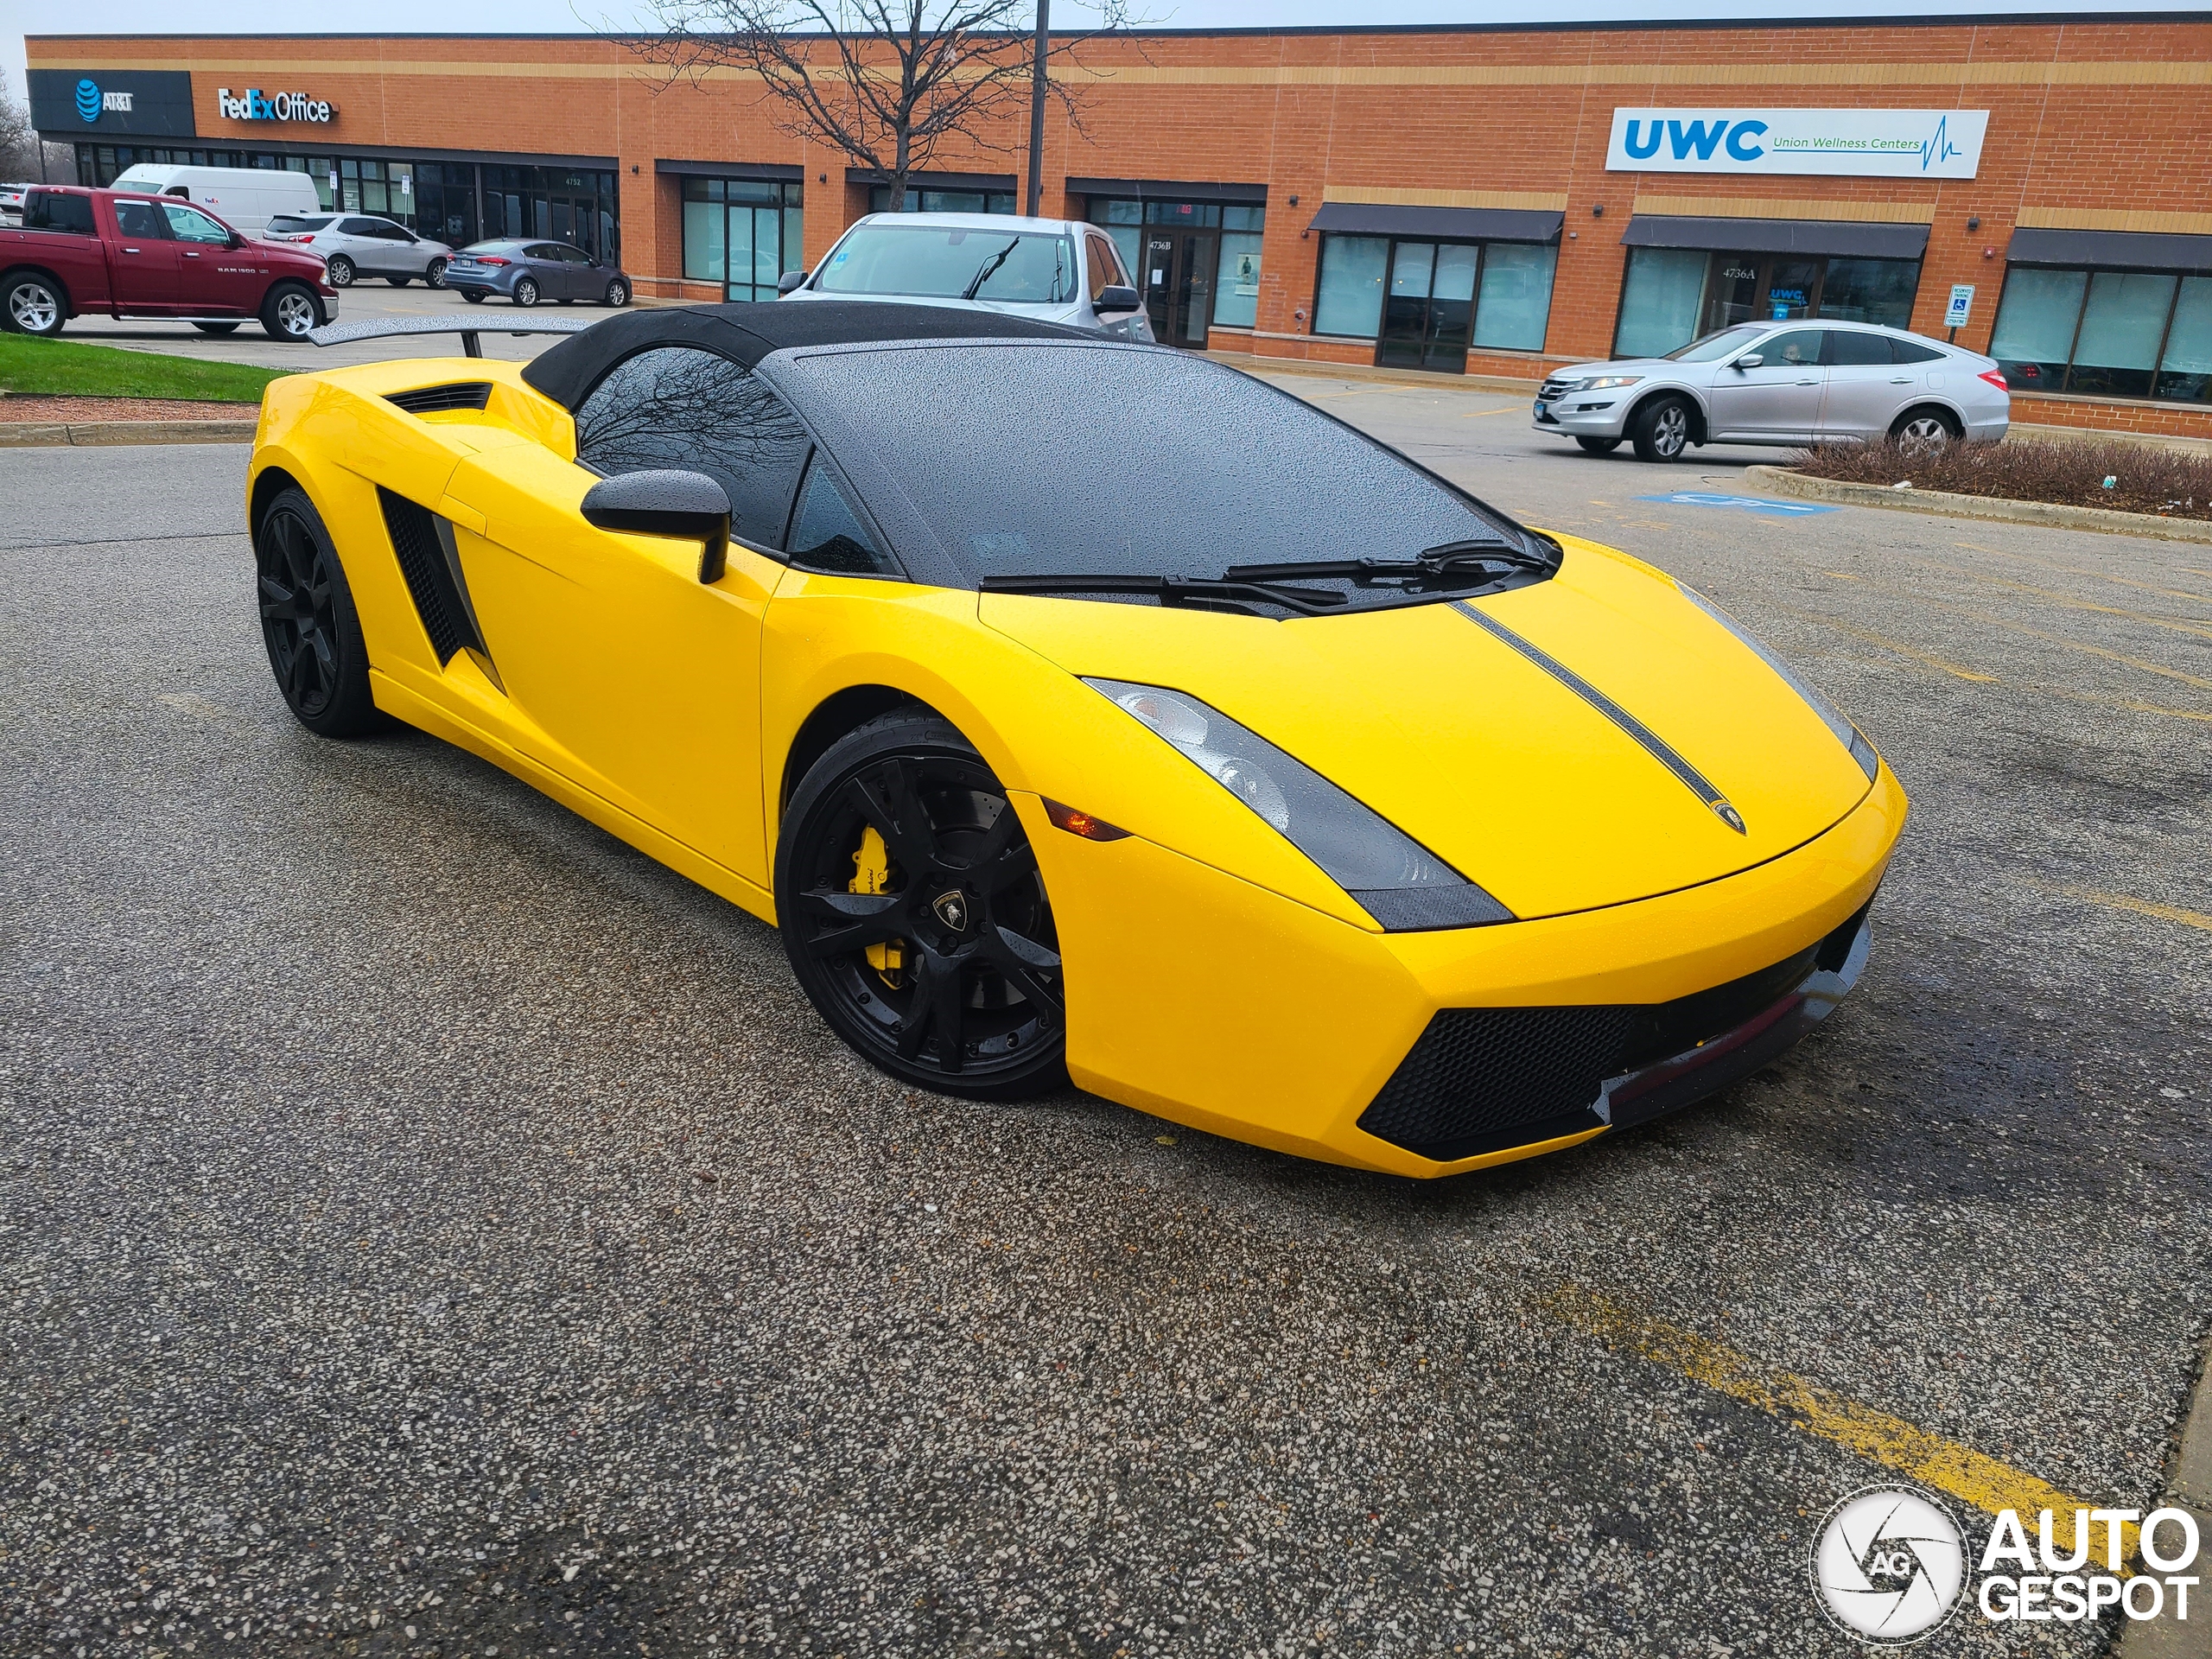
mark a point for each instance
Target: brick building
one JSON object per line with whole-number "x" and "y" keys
{"x": 1482, "y": 200}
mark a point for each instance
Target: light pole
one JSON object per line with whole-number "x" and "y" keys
{"x": 1037, "y": 107}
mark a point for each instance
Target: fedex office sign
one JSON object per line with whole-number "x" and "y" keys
{"x": 1874, "y": 143}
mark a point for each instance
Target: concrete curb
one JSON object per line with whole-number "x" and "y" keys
{"x": 2189, "y": 1487}
{"x": 1253, "y": 362}
{"x": 25, "y": 435}
{"x": 1783, "y": 481}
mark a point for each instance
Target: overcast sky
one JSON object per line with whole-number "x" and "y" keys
{"x": 524, "y": 17}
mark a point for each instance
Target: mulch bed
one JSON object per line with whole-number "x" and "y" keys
{"x": 32, "y": 406}
{"x": 2068, "y": 473}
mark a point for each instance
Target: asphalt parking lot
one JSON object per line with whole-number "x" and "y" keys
{"x": 429, "y": 1227}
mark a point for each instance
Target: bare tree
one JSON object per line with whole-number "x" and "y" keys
{"x": 890, "y": 83}
{"x": 23, "y": 158}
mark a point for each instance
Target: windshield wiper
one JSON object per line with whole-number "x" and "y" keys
{"x": 990, "y": 268}
{"x": 1489, "y": 559}
{"x": 1174, "y": 590}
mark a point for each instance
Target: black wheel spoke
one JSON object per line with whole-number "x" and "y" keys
{"x": 935, "y": 1010}
{"x": 887, "y": 798}
{"x": 1009, "y": 867}
{"x": 855, "y": 920}
{"x": 1025, "y": 964}
{"x": 275, "y": 595}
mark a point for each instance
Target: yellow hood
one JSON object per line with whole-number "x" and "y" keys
{"x": 1485, "y": 755}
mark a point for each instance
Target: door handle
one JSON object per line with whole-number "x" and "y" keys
{"x": 1900, "y": 380}
{"x": 189, "y": 254}
{"x": 1809, "y": 383}
{"x": 130, "y": 250}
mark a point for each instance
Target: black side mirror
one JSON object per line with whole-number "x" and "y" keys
{"x": 666, "y": 503}
{"x": 789, "y": 280}
{"x": 1748, "y": 361}
{"x": 1115, "y": 297}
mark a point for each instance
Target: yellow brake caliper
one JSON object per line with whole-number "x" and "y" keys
{"x": 871, "y": 873}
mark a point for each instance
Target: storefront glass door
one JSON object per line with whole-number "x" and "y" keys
{"x": 1427, "y": 305}
{"x": 1178, "y": 273}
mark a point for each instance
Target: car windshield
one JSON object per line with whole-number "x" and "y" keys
{"x": 1713, "y": 347}
{"x": 293, "y": 222}
{"x": 939, "y": 261}
{"x": 1000, "y": 451}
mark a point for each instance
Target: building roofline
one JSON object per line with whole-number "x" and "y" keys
{"x": 1614, "y": 26}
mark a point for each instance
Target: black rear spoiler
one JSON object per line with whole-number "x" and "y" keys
{"x": 470, "y": 330}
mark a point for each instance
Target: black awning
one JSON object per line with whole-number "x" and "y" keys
{"x": 1447, "y": 223}
{"x": 757, "y": 171}
{"x": 2143, "y": 250}
{"x": 1168, "y": 190}
{"x": 935, "y": 181}
{"x": 1848, "y": 239}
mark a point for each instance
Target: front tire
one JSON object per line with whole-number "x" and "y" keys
{"x": 289, "y": 313}
{"x": 434, "y": 274}
{"x": 399, "y": 281}
{"x": 308, "y": 622}
{"x": 900, "y": 842}
{"x": 340, "y": 270}
{"x": 1598, "y": 446}
{"x": 1661, "y": 430}
{"x": 526, "y": 292}
{"x": 618, "y": 293}
{"x": 473, "y": 296}
{"x": 217, "y": 328}
{"x": 33, "y": 305}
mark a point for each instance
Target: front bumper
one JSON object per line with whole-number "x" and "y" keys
{"x": 1598, "y": 415}
{"x": 1206, "y": 1000}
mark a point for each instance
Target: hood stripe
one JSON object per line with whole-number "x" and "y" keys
{"x": 1656, "y": 746}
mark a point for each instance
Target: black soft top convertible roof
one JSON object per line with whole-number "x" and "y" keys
{"x": 746, "y": 331}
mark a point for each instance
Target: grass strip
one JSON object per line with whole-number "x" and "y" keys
{"x": 62, "y": 368}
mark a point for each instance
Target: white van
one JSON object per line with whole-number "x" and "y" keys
{"x": 244, "y": 198}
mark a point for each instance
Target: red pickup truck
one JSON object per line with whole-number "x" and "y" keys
{"x": 122, "y": 254}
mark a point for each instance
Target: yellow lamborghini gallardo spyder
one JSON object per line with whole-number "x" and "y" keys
{"x": 1248, "y": 773}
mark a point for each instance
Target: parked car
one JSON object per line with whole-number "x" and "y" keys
{"x": 125, "y": 254}
{"x": 247, "y": 198}
{"x": 11, "y": 202}
{"x": 361, "y": 245}
{"x": 1781, "y": 383}
{"x": 527, "y": 272}
{"x": 1052, "y": 269}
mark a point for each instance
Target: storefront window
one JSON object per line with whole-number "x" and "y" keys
{"x": 2110, "y": 334}
{"x": 1236, "y": 289}
{"x": 943, "y": 201}
{"x": 1426, "y": 303}
{"x": 743, "y": 234}
{"x": 1197, "y": 264}
{"x": 1672, "y": 295}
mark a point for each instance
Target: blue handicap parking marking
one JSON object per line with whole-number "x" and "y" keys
{"x": 1745, "y": 503}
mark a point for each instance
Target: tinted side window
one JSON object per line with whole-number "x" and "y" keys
{"x": 1847, "y": 348}
{"x": 1912, "y": 351}
{"x": 828, "y": 535}
{"x": 359, "y": 227}
{"x": 45, "y": 212}
{"x": 141, "y": 219}
{"x": 677, "y": 406}
{"x": 1799, "y": 347}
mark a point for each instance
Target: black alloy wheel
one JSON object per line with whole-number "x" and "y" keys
{"x": 308, "y": 622}
{"x": 928, "y": 945}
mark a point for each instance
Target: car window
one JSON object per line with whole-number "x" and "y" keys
{"x": 948, "y": 262}
{"x": 1104, "y": 267}
{"x": 47, "y": 211}
{"x": 1799, "y": 348}
{"x": 1912, "y": 351}
{"x": 544, "y": 250}
{"x": 828, "y": 535}
{"x": 1712, "y": 347}
{"x": 140, "y": 218}
{"x": 966, "y": 433}
{"x": 678, "y": 406}
{"x": 358, "y": 227}
{"x": 575, "y": 256}
{"x": 294, "y": 223}
{"x": 1848, "y": 348}
{"x": 190, "y": 225}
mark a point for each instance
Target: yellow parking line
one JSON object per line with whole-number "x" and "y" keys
{"x": 1901, "y": 650}
{"x": 1510, "y": 409}
{"x": 2144, "y": 907}
{"x": 2082, "y": 646}
{"x": 2069, "y": 602}
{"x": 2101, "y": 575}
{"x": 1960, "y": 1470}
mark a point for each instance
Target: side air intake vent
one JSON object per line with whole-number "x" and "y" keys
{"x": 430, "y": 400}
{"x": 431, "y": 565}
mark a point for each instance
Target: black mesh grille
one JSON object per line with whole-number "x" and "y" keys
{"x": 423, "y": 563}
{"x": 429, "y": 400}
{"x": 1482, "y": 1079}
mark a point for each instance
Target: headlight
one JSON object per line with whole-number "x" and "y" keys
{"x": 1396, "y": 880}
{"x": 1846, "y": 733}
{"x": 1605, "y": 380}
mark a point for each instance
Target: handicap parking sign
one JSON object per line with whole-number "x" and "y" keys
{"x": 1741, "y": 503}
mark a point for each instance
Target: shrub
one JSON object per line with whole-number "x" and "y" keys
{"x": 2069, "y": 471}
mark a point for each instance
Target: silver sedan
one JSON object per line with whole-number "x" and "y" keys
{"x": 1787, "y": 383}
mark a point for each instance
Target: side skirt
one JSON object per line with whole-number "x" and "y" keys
{"x": 401, "y": 703}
